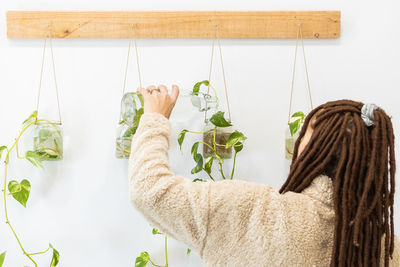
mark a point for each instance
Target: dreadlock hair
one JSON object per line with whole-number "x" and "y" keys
{"x": 356, "y": 158}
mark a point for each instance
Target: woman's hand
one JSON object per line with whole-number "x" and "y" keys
{"x": 158, "y": 100}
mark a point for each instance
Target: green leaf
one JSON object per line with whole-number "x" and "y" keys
{"x": 188, "y": 251}
{"x": 294, "y": 126}
{"x": 235, "y": 138}
{"x": 194, "y": 149}
{"x": 208, "y": 164}
{"x": 196, "y": 87}
{"x": 142, "y": 259}
{"x": 298, "y": 114}
{"x": 181, "y": 136}
{"x": 30, "y": 118}
{"x": 199, "y": 180}
{"x": 238, "y": 147}
{"x": 50, "y": 152}
{"x": 137, "y": 117}
{"x": 2, "y": 257}
{"x": 56, "y": 257}
{"x": 1, "y": 150}
{"x": 198, "y": 158}
{"x": 141, "y": 99}
{"x": 34, "y": 158}
{"x": 218, "y": 120}
{"x": 155, "y": 231}
{"x": 130, "y": 131}
{"x": 20, "y": 191}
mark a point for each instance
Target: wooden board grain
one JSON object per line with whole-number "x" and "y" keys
{"x": 172, "y": 24}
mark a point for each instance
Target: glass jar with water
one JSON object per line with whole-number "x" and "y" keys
{"x": 48, "y": 140}
{"x": 131, "y": 111}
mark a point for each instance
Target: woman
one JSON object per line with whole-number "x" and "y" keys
{"x": 335, "y": 208}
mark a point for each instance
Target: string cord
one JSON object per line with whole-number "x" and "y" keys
{"x": 299, "y": 35}
{"x": 54, "y": 75}
{"x": 127, "y": 65}
{"x": 223, "y": 74}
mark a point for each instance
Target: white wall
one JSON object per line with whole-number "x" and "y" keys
{"x": 81, "y": 204}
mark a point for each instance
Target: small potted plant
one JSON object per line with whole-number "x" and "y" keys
{"x": 292, "y": 133}
{"x": 217, "y": 130}
{"x": 217, "y": 127}
{"x": 48, "y": 140}
{"x": 131, "y": 111}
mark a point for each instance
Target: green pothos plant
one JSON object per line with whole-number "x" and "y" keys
{"x": 294, "y": 127}
{"x": 235, "y": 140}
{"x": 20, "y": 190}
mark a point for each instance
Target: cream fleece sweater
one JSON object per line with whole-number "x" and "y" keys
{"x": 230, "y": 222}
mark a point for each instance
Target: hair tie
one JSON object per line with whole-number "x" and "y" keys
{"x": 367, "y": 113}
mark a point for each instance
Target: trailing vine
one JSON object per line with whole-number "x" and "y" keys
{"x": 20, "y": 190}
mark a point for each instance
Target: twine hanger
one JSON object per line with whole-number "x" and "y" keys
{"x": 223, "y": 73}
{"x": 49, "y": 36}
{"x": 127, "y": 63}
{"x": 299, "y": 34}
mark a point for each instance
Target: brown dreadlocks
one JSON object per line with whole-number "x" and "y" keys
{"x": 357, "y": 159}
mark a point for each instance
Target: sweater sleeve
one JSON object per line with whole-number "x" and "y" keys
{"x": 203, "y": 215}
{"x": 172, "y": 203}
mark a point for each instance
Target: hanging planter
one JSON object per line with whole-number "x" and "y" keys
{"x": 48, "y": 140}
{"x": 217, "y": 129}
{"x": 132, "y": 105}
{"x": 292, "y": 132}
{"x": 131, "y": 112}
{"x": 47, "y": 135}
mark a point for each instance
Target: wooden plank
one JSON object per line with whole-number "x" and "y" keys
{"x": 172, "y": 24}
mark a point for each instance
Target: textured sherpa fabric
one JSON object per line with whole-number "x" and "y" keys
{"x": 230, "y": 222}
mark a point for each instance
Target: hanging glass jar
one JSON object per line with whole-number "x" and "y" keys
{"x": 204, "y": 101}
{"x": 132, "y": 105}
{"x": 290, "y": 141}
{"x": 47, "y": 135}
{"x": 48, "y": 140}
{"x": 294, "y": 127}
{"x": 131, "y": 112}
{"x": 125, "y": 133}
{"x": 221, "y": 136}
{"x": 216, "y": 129}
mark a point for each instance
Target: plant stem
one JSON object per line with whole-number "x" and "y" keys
{"x": 233, "y": 167}
{"x": 166, "y": 252}
{"x": 209, "y": 175}
{"x": 207, "y": 145}
{"x": 200, "y": 132}
{"x": 36, "y": 253}
{"x": 215, "y": 92}
{"x": 221, "y": 171}
{"x": 214, "y": 142}
{"x": 5, "y": 188}
{"x": 18, "y": 156}
{"x": 155, "y": 264}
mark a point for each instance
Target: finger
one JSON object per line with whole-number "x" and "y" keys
{"x": 163, "y": 89}
{"x": 149, "y": 88}
{"x": 143, "y": 91}
{"x": 175, "y": 92}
